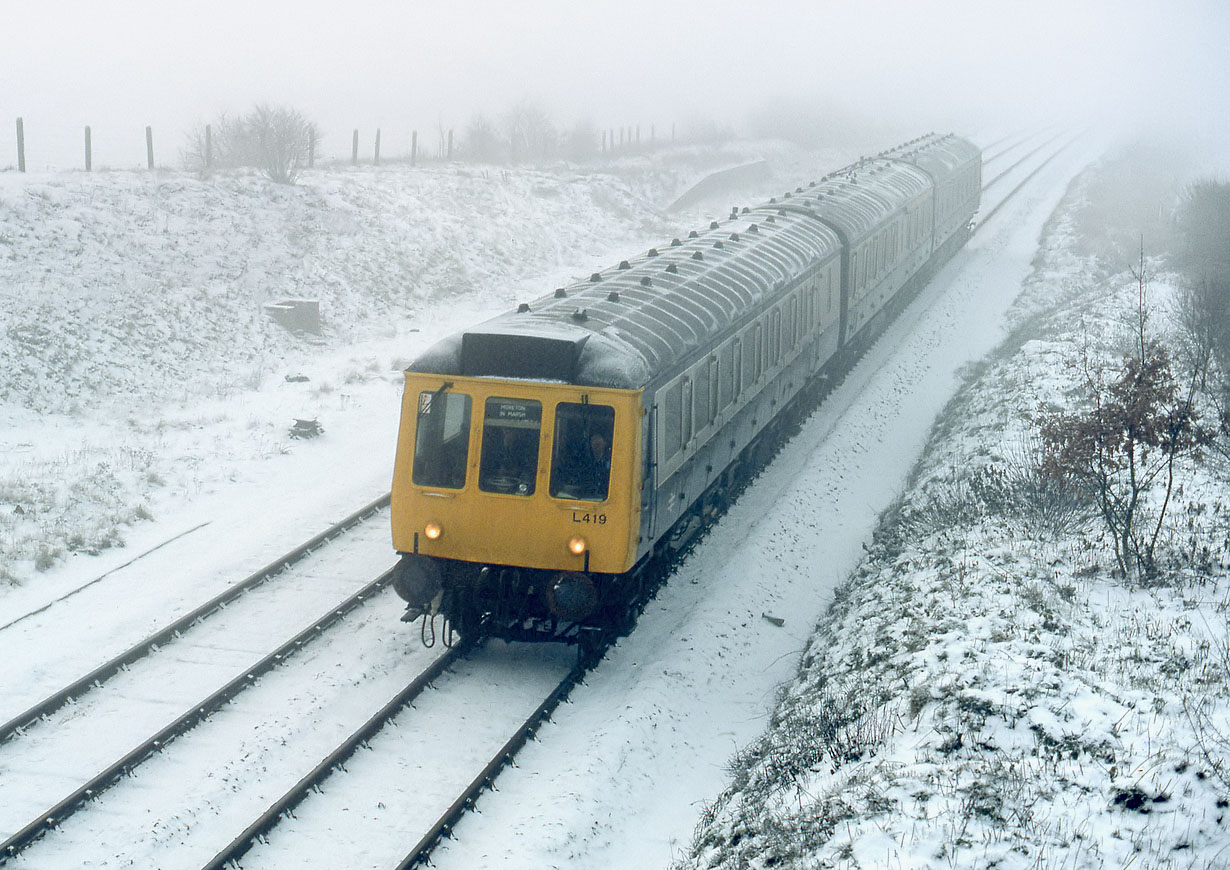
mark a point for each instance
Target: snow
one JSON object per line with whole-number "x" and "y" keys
{"x": 136, "y": 359}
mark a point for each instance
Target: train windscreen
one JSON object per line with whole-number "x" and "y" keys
{"x": 442, "y": 439}
{"x": 511, "y": 429}
{"x": 581, "y": 456}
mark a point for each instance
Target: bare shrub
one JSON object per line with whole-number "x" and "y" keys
{"x": 530, "y": 134}
{"x": 482, "y": 142}
{"x": 276, "y": 140}
{"x": 1135, "y": 426}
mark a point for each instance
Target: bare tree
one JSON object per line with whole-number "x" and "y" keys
{"x": 284, "y": 139}
{"x": 274, "y": 139}
{"x": 1203, "y": 221}
{"x": 530, "y": 133}
{"x": 1136, "y": 426}
{"x": 482, "y": 142}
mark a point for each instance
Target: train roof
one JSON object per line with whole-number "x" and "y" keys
{"x": 939, "y": 156}
{"x": 624, "y": 326}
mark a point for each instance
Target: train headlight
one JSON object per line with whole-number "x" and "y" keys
{"x": 432, "y": 531}
{"x": 577, "y": 546}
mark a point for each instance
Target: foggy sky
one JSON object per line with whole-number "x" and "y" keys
{"x": 953, "y": 64}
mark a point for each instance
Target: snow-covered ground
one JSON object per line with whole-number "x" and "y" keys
{"x": 984, "y": 692}
{"x": 145, "y": 398}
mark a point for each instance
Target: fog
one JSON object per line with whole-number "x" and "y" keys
{"x": 399, "y": 66}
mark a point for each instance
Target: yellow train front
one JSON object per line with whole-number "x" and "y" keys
{"x": 516, "y": 500}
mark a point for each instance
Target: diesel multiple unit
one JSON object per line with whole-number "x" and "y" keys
{"x": 548, "y": 456}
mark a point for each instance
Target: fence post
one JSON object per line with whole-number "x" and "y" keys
{"x": 414, "y": 146}
{"x": 209, "y": 146}
{"x": 354, "y": 149}
{"x": 88, "y": 155}
{"x": 149, "y": 146}
{"x": 377, "y": 146}
{"x": 21, "y": 146}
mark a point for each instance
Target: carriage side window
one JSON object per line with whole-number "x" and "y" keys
{"x": 672, "y": 420}
{"x": 727, "y": 377}
{"x": 509, "y": 462}
{"x": 581, "y": 455}
{"x": 701, "y": 397}
{"x": 442, "y": 439}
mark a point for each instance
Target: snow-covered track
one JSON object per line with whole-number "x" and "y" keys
{"x": 444, "y": 825}
{"x": 139, "y": 650}
{"x": 987, "y": 185}
{"x": 335, "y": 760}
{"x": 1024, "y": 181}
{"x": 189, "y": 719}
{"x": 264, "y": 834}
{"x": 1008, "y": 144}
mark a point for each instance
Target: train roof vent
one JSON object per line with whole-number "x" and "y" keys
{"x": 653, "y": 252}
{"x": 613, "y": 296}
{"x": 580, "y": 315}
{"x": 713, "y": 225}
{"x": 734, "y": 237}
{"x": 675, "y": 243}
{"x": 746, "y": 210}
{"x": 595, "y": 278}
{"x": 753, "y": 229}
{"x": 693, "y": 235}
{"x": 698, "y": 256}
{"x": 560, "y": 293}
{"x": 523, "y": 308}
{"x": 718, "y": 244}
{"x": 672, "y": 268}
{"x": 646, "y": 281}
{"x": 624, "y": 264}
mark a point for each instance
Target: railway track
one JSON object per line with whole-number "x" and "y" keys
{"x": 99, "y": 675}
{"x": 48, "y": 730}
{"x": 471, "y": 781}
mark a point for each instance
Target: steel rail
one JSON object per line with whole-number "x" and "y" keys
{"x": 297, "y": 793}
{"x": 49, "y": 818}
{"x": 104, "y": 672}
{"x": 443, "y": 826}
{"x": 988, "y": 185}
{"x": 1026, "y": 181}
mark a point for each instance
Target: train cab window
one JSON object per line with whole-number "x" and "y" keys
{"x": 509, "y": 462}
{"x": 442, "y": 439}
{"x": 581, "y": 455}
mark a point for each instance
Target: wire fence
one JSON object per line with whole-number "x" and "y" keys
{"x": 34, "y": 148}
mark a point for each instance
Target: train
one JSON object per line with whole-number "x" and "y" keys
{"x": 549, "y": 458}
